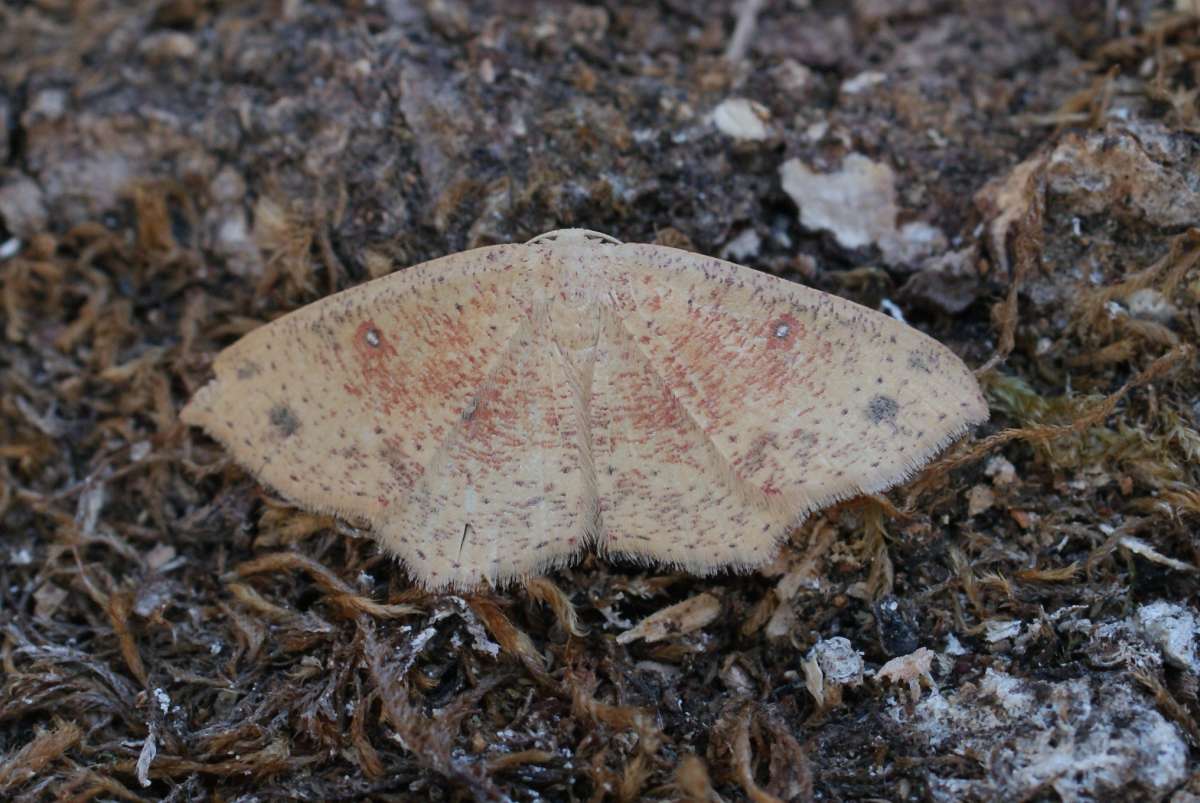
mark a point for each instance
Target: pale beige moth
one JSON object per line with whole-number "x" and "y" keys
{"x": 495, "y": 412}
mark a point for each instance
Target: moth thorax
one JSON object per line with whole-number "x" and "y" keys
{"x": 574, "y": 327}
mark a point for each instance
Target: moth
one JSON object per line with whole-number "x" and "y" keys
{"x": 494, "y": 413}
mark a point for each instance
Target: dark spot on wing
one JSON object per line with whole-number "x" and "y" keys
{"x": 918, "y": 362}
{"x": 284, "y": 420}
{"x": 882, "y": 409}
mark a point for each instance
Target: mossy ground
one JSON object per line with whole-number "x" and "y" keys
{"x": 177, "y": 172}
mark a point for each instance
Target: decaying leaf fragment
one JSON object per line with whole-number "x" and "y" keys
{"x": 683, "y": 617}
{"x": 914, "y": 670}
{"x": 493, "y": 413}
{"x": 830, "y": 666}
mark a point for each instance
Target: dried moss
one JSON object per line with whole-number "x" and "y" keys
{"x": 175, "y": 176}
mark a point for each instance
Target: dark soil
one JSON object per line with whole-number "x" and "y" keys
{"x": 177, "y": 172}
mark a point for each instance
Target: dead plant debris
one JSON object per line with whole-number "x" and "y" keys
{"x": 176, "y": 174}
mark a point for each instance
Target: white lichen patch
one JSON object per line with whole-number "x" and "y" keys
{"x": 1085, "y": 739}
{"x": 1173, "y": 629}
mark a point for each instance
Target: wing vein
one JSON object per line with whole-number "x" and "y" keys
{"x": 437, "y": 460}
{"x": 581, "y": 390}
{"x": 736, "y": 481}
